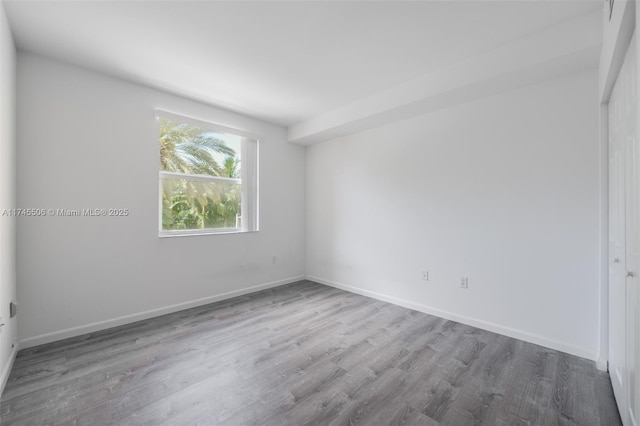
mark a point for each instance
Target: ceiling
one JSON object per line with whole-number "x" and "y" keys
{"x": 283, "y": 62}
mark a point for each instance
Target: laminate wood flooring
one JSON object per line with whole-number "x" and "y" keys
{"x": 302, "y": 354}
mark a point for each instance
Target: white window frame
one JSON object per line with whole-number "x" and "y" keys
{"x": 249, "y": 175}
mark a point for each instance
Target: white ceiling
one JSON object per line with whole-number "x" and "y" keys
{"x": 283, "y": 62}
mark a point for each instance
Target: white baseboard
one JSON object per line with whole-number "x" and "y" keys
{"x": 115, "y": 322}
{"x": 602, "y": 364}
{"x": 495, "y": 328}
{"x": 6, "y": 371}
{"x": 602, "y": 357}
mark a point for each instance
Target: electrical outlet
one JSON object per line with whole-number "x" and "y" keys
{"x": 274, "y": 259}
{"x": 464, "y": 282}
{"x": 425, "y": 275}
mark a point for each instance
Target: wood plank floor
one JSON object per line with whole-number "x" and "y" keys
{"x": 303, "y": 354}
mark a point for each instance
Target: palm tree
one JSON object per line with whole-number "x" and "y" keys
{"x": 231, "y": 168}
{"x": 188, "y": 203}
{"x": 190, "y": 149}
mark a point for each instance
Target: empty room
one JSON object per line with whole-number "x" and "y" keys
{"x": 319, "y": 212}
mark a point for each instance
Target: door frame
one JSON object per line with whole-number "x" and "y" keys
{"x": 617, "y": 36}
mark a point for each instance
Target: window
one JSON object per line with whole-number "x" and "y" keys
{"x": 208, "y": 178}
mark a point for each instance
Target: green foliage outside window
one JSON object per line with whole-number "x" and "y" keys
{"x": 189, "y": 203}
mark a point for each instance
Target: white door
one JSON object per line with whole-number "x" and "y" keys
{"x": 624, "y": 237}
{"x": 632, "y": 221}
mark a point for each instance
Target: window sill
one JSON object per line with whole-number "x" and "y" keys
{"x": 197, "y": 233}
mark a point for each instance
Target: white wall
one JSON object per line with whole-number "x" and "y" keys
{"x": 504, "y": 190}
{"x": 90, "y": 141}
{"x": 8, "y": 333}
{"x": 617, "y": 29}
